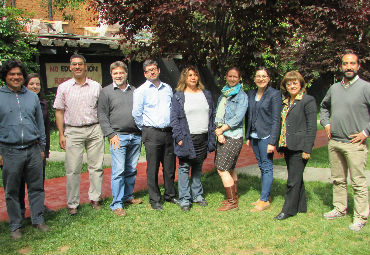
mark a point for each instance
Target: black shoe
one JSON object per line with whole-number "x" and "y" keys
{"x": 157, "y": 206}
{"x": 42, "y": 227}
{"x": 185, "y": 208}
{"x": 173, "y": 201}
{"x": 282, "y": 216}
{"x": 202, "y": 203}
{"x": 16, "y": 234}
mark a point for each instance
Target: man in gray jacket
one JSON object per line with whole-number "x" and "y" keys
{"x": 22, "y": 144}
{"x": 117, "y": 123}
{"x": 345, "y": 116}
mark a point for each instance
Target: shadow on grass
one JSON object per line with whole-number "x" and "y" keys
{"x": 251, "y": 186}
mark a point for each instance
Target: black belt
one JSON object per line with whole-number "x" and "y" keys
{"x": 87, "y": 125}
{"x": 166, "y": 129}
{"x": 19, "y": 146}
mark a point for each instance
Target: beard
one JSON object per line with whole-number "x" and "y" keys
{"x": 120, "y": 82}
{"x": 350, "y": 76}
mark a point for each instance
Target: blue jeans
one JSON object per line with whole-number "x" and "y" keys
{"x": 265, "y": 164}
{"x": 183, "y": 181}
{"x": 124, "y": 162}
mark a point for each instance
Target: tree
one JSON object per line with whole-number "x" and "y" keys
{"x": 14, "y": 43}
{"x": 222, "y": 33}
{"x": 308, "y": 35}
{"x": 323, "y": 31}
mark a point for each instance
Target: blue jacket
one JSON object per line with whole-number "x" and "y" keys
{"x": 21, "y": 121}
{"x": 268, "y": 115}
{"x": 180, "y": 127}
{"x": 236, "y": 107}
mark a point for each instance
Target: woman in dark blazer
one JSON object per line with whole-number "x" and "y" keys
{"x": 33, "y": 83}
{"x": 262, "y": 131}
{"x": 297, "y": 136}
{"x": 192, "y": 122}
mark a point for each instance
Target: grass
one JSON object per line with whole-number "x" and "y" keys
{"x": 54, "y": 144}
{"x": 319, "y": 159}
{"x": 203, "y": 230}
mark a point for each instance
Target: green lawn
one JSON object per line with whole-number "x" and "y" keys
{"x": 319, "y": 158}
{"x": 200, "y": 231}
{"x": 54, "y": 144}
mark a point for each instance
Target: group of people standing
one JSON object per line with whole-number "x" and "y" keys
{"x": 185, "y": 124}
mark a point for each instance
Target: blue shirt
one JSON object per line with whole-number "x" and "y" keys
{"x": 152, "y": 105}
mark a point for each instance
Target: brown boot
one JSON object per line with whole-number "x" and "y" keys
{"x": 236, "y": 192}
{"x": 232, "y": 201}
{"x": 255, "y": 203}
{"x": 261, "y": 206}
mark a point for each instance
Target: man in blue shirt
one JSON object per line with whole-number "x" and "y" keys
{"x": 151, "y": 111}
{"x": 22, "y": 145}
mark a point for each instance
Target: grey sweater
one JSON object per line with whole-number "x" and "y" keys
{"x": 347, "y": 110}
{"x": 21, "y": 121}
{"x": 114, "y": 111}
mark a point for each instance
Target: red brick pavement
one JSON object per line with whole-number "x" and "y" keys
{"x": 55, "y": 189}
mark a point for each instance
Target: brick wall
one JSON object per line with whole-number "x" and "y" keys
{"x": 82, "y": 17}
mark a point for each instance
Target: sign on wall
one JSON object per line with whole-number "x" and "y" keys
{"x": 56, "y": 73}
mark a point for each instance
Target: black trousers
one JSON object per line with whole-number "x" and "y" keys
{"x": 159, "y": 149}
{"x": 295, "y": 196}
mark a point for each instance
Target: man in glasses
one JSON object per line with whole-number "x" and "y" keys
{"x": 151, "y": 111}
{"x": 76, "y": 109}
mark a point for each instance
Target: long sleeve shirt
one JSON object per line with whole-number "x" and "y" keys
{"x": 152, "y": 105}
{"x": 114, "y": 111}
{"x": 21, "y": 121}
{"x": 346, "y": 109}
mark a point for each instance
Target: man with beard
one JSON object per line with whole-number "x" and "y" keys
{"x": 345, "y": 116}
{"x": 76, "y": 107}
{"x": 117, "y": 123}
{"x": 151, "y": 111}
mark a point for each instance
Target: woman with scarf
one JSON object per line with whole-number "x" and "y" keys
{"x": 192, "y": 122}
{"x": 262, "y": 131}
{"x": 297, "y": 136}
{"x": 231, "y": 108}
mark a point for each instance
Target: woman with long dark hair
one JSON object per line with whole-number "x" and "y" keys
{"x": 33, "y": 83}
{"x": 262, "y": 131}
{"x": 192, "y": 122}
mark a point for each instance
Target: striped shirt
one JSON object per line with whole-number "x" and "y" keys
{"x": 79, "y": 102}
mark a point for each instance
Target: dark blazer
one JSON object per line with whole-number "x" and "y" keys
{"x": 301, "y": 124}
{"x": 268, "y": 115}
{"x": 45, "y": 114}
{"x": 180, "y": 127}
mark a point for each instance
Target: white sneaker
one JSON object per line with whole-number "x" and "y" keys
{"x": 333, "y": 214}
{"x": 356, "y": 226}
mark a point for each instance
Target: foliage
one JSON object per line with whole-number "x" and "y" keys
{"x": 63, "y": 6}
{"x": 323, "y": 30}
{"x": 284, "y": 35}
{"x": 203, "y": 230}
{"x": 13, "y": 42}
{"x": 50, "y": 97}
{"x": 220, "y": 33}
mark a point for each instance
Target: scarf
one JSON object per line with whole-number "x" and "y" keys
{"x": 228, "y": 92}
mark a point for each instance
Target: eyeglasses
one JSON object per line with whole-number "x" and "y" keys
{"x": 291, "y": 83}
{"x": 151, "y": 70}
{"x": 77, "y": 64}
{"x": 262, "y": 77}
